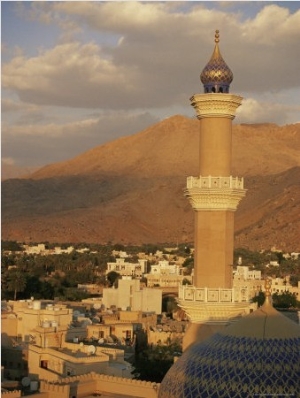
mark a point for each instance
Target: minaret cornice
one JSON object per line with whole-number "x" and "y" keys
{"x": 216, "y": 105}
{"x": 215, "y": 193}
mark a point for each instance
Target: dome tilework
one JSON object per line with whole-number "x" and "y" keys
{"x": 216, "y": 76}
{"x": 235, "y": 367}
{"x": 216, "y": 71}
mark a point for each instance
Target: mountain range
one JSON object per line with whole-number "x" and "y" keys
{"x": 130, "y": 190}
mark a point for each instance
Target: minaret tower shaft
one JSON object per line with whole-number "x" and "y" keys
{"x": 214, "y": 196}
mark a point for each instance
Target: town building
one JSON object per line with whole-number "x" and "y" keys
{"x": 165, "y": 274}
{"x": 252, "y": 281}
{"x": 53, "y": 363}
{"x": 249, "y": 280}
{"x": 41, "y": 341}
{"x": 282, "y": 285}
{"x": 135, "y": 270}
{"x": 90, "y": 288}
{"x": 27, "y": 315}
{"x": 130, "y": 296}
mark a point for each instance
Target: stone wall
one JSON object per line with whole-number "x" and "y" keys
{"x": 11, "y": 394}
{"x": 92, "y": 383}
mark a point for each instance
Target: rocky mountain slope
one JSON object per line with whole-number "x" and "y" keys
{"x": 13, "y": 171}
{"x": 131, "y": 190}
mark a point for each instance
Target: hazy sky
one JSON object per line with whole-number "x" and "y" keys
{"x": 78, "y": 74}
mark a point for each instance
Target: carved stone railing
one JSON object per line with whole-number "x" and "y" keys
{"x": 215, "y": 182}
{"x": 213, "y": 295}
{"x": 215, "y": 193}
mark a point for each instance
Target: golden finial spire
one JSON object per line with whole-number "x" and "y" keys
{"x": 217, "y": 36}
{"x": 216, "y": 76}
{"x": 268, "y": 285}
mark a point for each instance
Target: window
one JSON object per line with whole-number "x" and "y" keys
{"x": 44, "y": 364}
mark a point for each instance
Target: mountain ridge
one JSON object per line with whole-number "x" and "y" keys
{"x": 131, "y": 190}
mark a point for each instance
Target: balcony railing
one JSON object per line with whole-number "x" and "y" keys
{"x": 213, "y": 295}
{"x": 215, "y": 182}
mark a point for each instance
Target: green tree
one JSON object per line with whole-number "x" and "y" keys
{"x": 73, "y": 294}
{"x": 33, "y": 287}
{"x": 294, "y": 279}
{"x": 259, "y": 299}
{"x": 112, "y": 278}
{"x": 10, "y": 245}
{"x": 119, "y": 247}
{"x": 188, "y": 264}
{"x": 153, "y": 363}
{"x": 284, "y": 300}
{"x": 16, "y": 282}
{"x": 169, "y": 305}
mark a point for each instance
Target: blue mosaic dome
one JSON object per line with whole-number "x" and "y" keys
{"x": 216, "y": 76}
{"x": 257, "y": 356}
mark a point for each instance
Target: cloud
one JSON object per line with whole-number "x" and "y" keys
{"x": 117, "y": 67}
{"x": 158, "y": 57}
{"x": 8, "y": 161}
{"x": 53, "y": 142}
{"x": 10, "y": 105}
{"x": 273, "y": 25}
{"x": 76, "y": 75}
{"x": 254, "y": 111}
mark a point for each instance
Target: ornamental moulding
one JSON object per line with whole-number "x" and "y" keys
{"x": 214, "y": 313}
{"x": 216, "y": 105}
{"x": 214, "y": 198}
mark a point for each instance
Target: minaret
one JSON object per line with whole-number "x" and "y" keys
{"x": 214, "y": 195}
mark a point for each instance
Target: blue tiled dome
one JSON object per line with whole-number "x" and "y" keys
{"x": 216, "y": 76}
{"x": 257, "y": 356}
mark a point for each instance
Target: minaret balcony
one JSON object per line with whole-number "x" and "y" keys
{"x": 214, "y": 305}
{"x": 213, "y": 295}
{"x": 216, "y": 105}
{"x": 215, "y": 182}
{"x": 215, "y": 193}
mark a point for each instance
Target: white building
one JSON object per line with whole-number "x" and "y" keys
{"x": 129, "y": 295}
{"x": 281, "y": 285}
{"x": 250, "y": 280}
{"x": 165, "y": 268}
{"x": 40, "y": 248}
{"x": 165, "y": 274}
{"x": 243, "y": 273}
{"x": 136, "y": 270}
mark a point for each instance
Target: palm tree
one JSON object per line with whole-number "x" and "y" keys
{"x": 16, "y": 282}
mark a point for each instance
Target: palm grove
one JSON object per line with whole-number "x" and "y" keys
{"x": 57, "y": 276}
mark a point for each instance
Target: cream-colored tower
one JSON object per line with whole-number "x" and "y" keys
{"x": 214, "y": 195}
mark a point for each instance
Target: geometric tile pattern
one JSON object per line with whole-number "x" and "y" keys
{"x": 216, "y": 71}
{"x": 236, "y": 367}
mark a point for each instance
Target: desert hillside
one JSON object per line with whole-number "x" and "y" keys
{"x": 131, "y": 190}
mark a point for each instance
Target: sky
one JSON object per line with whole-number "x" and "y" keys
{"x": 76, "y": 75}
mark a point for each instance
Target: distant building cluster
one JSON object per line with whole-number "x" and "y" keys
{"x": 45, "y": 342}
{"x": 42, "y": 250}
